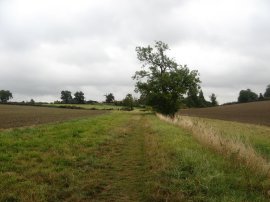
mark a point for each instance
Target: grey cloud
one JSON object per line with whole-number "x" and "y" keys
{"x": 47, "y": 46}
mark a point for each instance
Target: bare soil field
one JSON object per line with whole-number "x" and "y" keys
{"x": 255, "y": 112}
{"x": 18, "y": 116}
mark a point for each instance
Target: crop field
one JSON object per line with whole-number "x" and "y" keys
{"x": 255, "y": 112}
{"x": 135, "y": 156}
{"x": 17, "y": 116}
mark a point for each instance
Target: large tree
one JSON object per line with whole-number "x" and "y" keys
{"x": 247, "y": 96}
{"x": 161, "y": 80}
{"x": 267, "y": 92}
{"x": 79, "y": 97}
{"x": 5, "y": 95}
{"x": 66, "y": 97}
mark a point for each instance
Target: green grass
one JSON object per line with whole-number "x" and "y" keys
{"x": 53, "y": 162}
{"x": 201, "y": 175}
{"x": 121, "y": 156}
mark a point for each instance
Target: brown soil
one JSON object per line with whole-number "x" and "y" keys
{"x": 255, "y": 112}
{"x": 18, "y": 116}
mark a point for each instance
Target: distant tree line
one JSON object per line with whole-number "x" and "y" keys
{"x": 67, "y": 97}
{"x": 250, "y": 96}
{"x": 128, "y": 103}
{"x": 195, "y": 99}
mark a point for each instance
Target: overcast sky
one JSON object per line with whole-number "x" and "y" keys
{"x": 51, "y": 45}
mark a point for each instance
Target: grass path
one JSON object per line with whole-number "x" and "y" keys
{"x": 125, "y": 169}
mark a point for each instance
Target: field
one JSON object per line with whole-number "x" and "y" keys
{"x": 255, "y": 112}
{"x": 133, "y": 156}
{"x": 16, "y": 116}
{"x": 89, "y": 106}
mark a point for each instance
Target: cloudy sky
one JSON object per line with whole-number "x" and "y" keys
{"x": 51, "y": 45}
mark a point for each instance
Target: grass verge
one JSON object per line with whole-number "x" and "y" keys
{"x": 201, "y": 175}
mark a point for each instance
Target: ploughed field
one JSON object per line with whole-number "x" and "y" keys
{"x": 255, "y": 112}
{"x": 17, "y": 116}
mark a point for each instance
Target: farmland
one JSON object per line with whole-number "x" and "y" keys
{"x": 127, "y": 156}
{"x": 255, "y": 112}
{"x": 17, "y": 116}
{"x": 89, "y": 106}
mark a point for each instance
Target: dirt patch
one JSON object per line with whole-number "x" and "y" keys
{"x": 255, "y": 112}
{"x": 18, "y": 116}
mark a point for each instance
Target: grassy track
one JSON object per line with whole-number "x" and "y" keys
{"x": 118, "y": 157}
{"x": 125, "y": 172}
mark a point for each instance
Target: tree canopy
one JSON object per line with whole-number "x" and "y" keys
{"x": 66, "y": 97}
{"x": 247, "y": 96}
{"x": 109, "y": 98}
{"x": 5, "y": 95}
{"x": 128, "y": 101}
{"x": 79, "y": 97}
{"x": 213, "y": 99}
{"x": 267, "y": 92}
{"x": 261, "y": 98}
{"x": 161, "y": 80}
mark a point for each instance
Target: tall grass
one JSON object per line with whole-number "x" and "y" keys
{"x": 233, "y": 148}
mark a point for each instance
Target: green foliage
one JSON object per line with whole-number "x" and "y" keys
{"x": 66, "y": 97}
{"x": 195, "y": 100}
{"x": 247, "y": 96}
{"x": 213, "y": 99}
{"x": 128, "y": 102}
{"x": 109, "y": 98}
{"x": 261, "y": 98}
{"x": 202, "y": 100}
{"x": 79, "y": 97}
{"x": 192, "y": 99}
{"x": 32, "y": 101}
{"x": 163, "y": 82}
{"x": 5, "y": 95}
{"x": 267, "y": 92}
